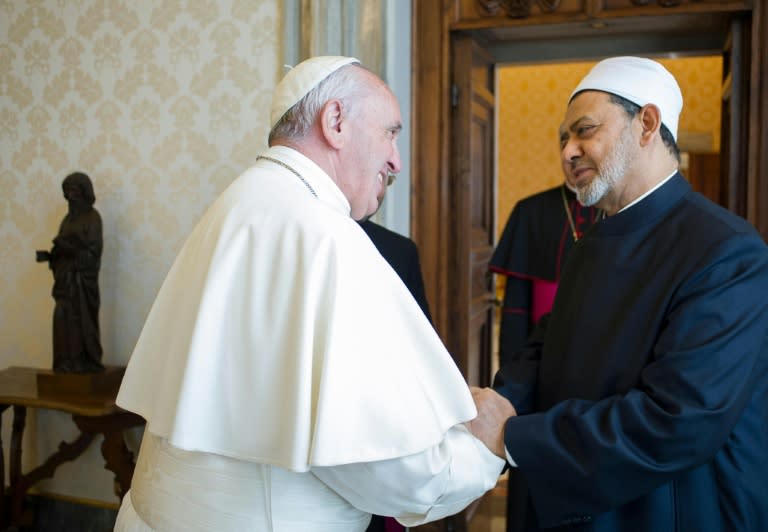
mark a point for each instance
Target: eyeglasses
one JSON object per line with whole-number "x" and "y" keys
{"x": 391, "y": 178}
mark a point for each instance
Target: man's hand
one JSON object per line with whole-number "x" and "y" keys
{"x": 493, "y": 411}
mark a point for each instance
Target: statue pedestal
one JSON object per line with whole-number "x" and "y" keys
{"x": 106, "y": 382}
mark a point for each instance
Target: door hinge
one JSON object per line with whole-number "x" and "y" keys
{"x": 454, "y": 95}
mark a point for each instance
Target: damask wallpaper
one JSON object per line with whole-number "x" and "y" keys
{"x": 162, "y": 103}
{"x": 531, "y": 103}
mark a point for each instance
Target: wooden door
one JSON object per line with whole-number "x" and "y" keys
{"x": 757, "y": 171}
{"x": 473, "y": 198}
{"x": 469, "y": 226}
{"x": 704, "y": 174}
{"x": 734, "y": 119}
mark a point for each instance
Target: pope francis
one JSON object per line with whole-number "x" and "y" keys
{"x": 288, "y": 379}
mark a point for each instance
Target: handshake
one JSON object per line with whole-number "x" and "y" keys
{"x": 493, "y": 411}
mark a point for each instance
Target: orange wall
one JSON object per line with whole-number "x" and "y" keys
{"x": 531, "y": 100}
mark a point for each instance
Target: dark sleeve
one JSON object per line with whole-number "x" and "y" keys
{"x": 403, "y": 256}
{"x": 535, "y": 238}
{"x": 511, "y": 252}
{"x": 515, "y": 318}
{"x": 707, "y": 372}
{"x": 516, "y": 378}
{"x": 531, "y": 246}
{"x": 415, "y": 282}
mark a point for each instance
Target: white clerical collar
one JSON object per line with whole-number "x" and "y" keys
{"x": 641, "y": 198}
{"x": 319, "y": 182}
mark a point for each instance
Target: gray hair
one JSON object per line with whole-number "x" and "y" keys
{"x": 631, "y": 109}
{"x": 342, "y": 84}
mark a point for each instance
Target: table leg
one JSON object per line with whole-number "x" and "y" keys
{"x": 118, "y": 458}
{"x": 3, "y": 522}
{"x": 14, "y": 463}
{"x": 20, "y": 482}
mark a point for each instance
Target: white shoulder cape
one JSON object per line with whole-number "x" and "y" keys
{"x": 281, "y": 336}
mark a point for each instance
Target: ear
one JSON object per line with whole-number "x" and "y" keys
{"x": 331, "y": 118}
{"x": 650, "y": 119}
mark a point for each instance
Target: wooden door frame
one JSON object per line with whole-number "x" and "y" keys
{"x": 472, "y": 217}
{"x": 431, "y": 198}
{"x": 431, "y": 194}
{"x": 757, "y": 157}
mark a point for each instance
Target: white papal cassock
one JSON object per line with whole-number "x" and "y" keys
{"x": 289, "y": 380}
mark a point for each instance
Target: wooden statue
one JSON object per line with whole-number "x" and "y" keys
{"x": 75, "y": 259}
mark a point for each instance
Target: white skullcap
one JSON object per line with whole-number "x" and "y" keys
{"x": 641, "y": 81}
{"x": 300, "y": 80}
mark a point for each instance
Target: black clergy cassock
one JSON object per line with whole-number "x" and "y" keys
{"x": 402, "y": 254}
{"x": 531, "y": 253}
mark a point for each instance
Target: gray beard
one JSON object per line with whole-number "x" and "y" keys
{"x": 610, "y": 173}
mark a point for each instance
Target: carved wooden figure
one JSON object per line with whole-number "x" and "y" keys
{"x": 75, "y": 259}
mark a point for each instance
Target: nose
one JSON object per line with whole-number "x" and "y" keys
{"x": 570, "y": 151}
{"x": 394, "y": 164}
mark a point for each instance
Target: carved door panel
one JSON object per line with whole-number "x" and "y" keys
{"x": 704, "y": 174}
{"x": 472, "y": 223}
{"x": 629, "y": 7}
{"x": 757, "y": 171}
{"x": 468, "y": 203}
{"x": 473, "y": 208}
{"x": 473, "y": 14}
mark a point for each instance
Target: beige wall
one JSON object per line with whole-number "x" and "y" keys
{"x": 531, "y": 103}
{"x": 162, "y": 103}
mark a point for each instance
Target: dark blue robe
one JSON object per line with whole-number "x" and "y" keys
{"x": 645, "y": 400}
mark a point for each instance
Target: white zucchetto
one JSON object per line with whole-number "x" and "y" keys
{"x": 639, "y": 80}
{"x": 300, "y": 80}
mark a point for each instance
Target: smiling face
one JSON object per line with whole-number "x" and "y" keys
{"x": 374, "y": 127}
{"x": 597, "y": 148}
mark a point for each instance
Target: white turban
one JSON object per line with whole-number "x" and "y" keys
{"x": 641, "y": 81}
{"x": 300, "y": 80}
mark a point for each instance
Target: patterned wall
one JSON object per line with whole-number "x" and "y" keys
{"x": 162, "y": 103}
{"x": 531, "y": 104}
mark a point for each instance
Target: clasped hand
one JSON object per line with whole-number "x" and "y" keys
{"x": 493, "y": 411}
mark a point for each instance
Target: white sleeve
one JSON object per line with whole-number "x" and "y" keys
{"x": 423, "y": 487}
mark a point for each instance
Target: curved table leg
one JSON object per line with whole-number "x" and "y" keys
{"x": 3, "y": 519}
{"x": 118, "y": 458}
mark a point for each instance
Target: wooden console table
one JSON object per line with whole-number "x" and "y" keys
{"x": 94, "y": 414}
